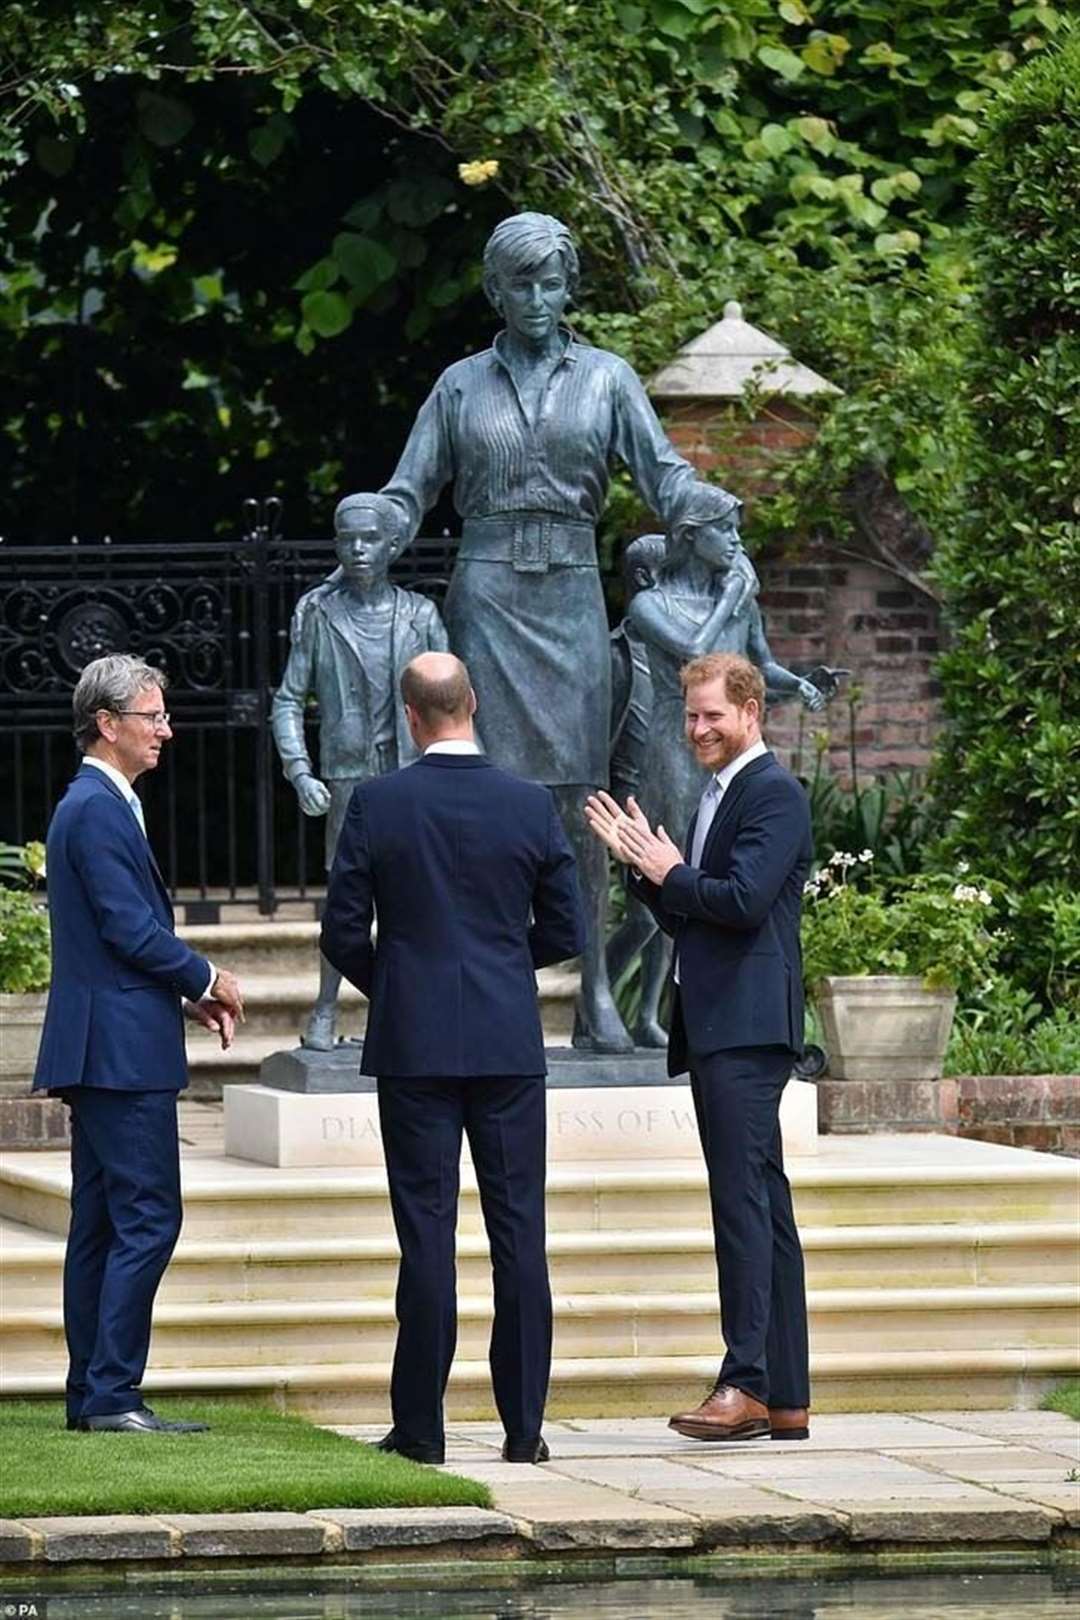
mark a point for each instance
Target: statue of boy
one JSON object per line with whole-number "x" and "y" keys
{"x": 351, "y": 637}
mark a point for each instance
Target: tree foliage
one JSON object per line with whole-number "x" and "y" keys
{"x": 1009, "y": 770}
{"x": 239, "y": 242}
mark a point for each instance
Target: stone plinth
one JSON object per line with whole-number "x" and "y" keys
{"x": 592, "y": 1117}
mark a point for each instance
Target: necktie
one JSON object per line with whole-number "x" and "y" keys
{"x": 710, "y": 801}
{"x": 137, "y": 811}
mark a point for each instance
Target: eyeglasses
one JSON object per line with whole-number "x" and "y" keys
{"x": 158, "y": 718}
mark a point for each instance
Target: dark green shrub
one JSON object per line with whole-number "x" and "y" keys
{"x": 1007, "y": 779}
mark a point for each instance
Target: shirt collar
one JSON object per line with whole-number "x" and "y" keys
{"x": 730, "y": 771}
{"x": 116, "y": 777}
{"x": 568, "y": 356}
{"x": 453, "y": 745}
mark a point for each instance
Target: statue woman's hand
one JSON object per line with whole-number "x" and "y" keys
{"x": 746, "y": 573}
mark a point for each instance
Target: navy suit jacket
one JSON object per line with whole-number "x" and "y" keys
{"x": 113, "y": 1017}
{"x": 473, "y": 884}
{"x": 735, "y": 920}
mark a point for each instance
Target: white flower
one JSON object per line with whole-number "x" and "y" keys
{"x": 963, "y": 866}
{"x": 867, "y": 855}
{"x": 985, "y": 898}
{"x": 968, "y": 893}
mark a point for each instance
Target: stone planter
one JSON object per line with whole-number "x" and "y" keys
{"x": 21, "y": 1018}
{"x": 884, "y": 1027}
{"x": 27, "y": 1121}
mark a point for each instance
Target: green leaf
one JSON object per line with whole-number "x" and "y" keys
{"x": 775, "y": 139}
{"x": 630, "y": 18}
{"x": 163, "y": 119}
{"x": 322, "y": 274}
{"x": 327, "y": 313}
{"x": 794, "y": 12}
{"x": 815, "y": 132}
{"x": 267, "y": 141}
{"x": 365, "y": 263}
{"x": 825, "y": 52}
{"x": 782, "y": 61}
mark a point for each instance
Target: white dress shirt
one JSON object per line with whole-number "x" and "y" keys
{"x": 454, "y": 745}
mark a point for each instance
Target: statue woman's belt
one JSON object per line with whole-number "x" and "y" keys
{"x": 532, "y": 542}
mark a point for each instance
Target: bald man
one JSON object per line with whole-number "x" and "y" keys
{"x": 475, "y": 887}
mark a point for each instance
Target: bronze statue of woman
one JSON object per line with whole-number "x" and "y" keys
{"x": 525, "y": 431}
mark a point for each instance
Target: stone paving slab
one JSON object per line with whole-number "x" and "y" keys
{"x": 987, "y": 1464}
{"x": 364, "y": 1528}
{"x": 962, "y": 1519}
{"x": 558, "y": 1513}
{"x": 1063, "y": 1499}
{"x": 103, "y": 1536}
{"x": 17, "y": 1543}
{"x": 245, "y": 1535}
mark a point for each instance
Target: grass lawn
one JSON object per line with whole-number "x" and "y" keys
{"x": 252, "y": 1458}
{"x": 1065, "y": 1398}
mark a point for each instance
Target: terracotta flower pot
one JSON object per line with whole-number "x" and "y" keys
{"x": 884, "y": 1027}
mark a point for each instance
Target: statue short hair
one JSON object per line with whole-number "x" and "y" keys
{"x": 524, "y": 241}
{"x": 109, "y": 683}
{"x": 389, "y": 514}
{"x": 743, "y": 681}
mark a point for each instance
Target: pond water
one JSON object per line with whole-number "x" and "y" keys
{"x": 1002, "y": 1595}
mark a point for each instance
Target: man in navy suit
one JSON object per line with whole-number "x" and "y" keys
{"x": 733, "y": 907}
{"x": 473, "y": 882}
{"x": 113, "y": 1043}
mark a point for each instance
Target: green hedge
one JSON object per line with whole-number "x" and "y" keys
{"x": 1008, "y": 775}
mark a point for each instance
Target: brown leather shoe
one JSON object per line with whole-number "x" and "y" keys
{"x": 789, "y": 1422}
{"x": 725, "y": 1414}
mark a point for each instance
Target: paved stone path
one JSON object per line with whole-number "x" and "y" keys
{"x": 620, "y": 1485}
{"x": 872, "y": 1477}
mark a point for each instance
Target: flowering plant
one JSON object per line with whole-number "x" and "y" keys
{"x": 24, "y": 921}
{"x": 933, "y": 925}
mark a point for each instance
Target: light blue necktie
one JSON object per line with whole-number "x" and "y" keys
{"x": 137, "y": 811}
{"x": 710, "y": 801}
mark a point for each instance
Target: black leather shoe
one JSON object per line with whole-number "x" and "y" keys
{"x": 73, "y": 1423}
{"x": 526, "y": 1451}
{"x": 140, "y": 1421}
{"x": 415, "y": 1451}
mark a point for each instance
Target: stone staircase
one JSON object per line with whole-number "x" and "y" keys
{"x": 278, "y": 966}
{"x": 942, "y": 1274}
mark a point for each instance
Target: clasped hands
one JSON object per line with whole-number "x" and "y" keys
{"x": 630, "y": 838}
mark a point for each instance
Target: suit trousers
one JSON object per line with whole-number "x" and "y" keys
{"x": 422, "y": 1121}
{"x": 125, "y": 1220}
{"x": 758, "y": 1255}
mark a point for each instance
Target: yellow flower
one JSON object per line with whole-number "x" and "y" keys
{"x": 479, "y": 173}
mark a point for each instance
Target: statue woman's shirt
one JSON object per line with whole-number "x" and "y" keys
{"x": 473, "y": 429}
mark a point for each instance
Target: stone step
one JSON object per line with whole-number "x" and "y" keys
{"x": 277, "y": 1005}
{"x": 868, "y": 1321}
{"x": 603, "y": 1386}
{"x": 259, "y": 950}
{"x": 343, "y": 1269}
{"x": 852, "y": 1182}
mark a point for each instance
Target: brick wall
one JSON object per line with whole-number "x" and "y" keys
{"x": 827, "y": 605}
{"x": 820, "y": 608}
{"x": 1027, "y": 1111}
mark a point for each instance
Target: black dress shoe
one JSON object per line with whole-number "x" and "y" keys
{"x": 526, "y": 1451}
{"x": 415, "y": 1451}
{"x": 73, "y": 1423}
{"x": 140, "y": 1421}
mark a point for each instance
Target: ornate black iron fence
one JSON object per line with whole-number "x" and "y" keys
{"x": 215, "y": 615}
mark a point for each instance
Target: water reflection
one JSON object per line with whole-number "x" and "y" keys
{"x": 1033, "y": 1595}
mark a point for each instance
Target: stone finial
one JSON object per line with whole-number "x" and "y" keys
{"x": 731, "y": 356}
